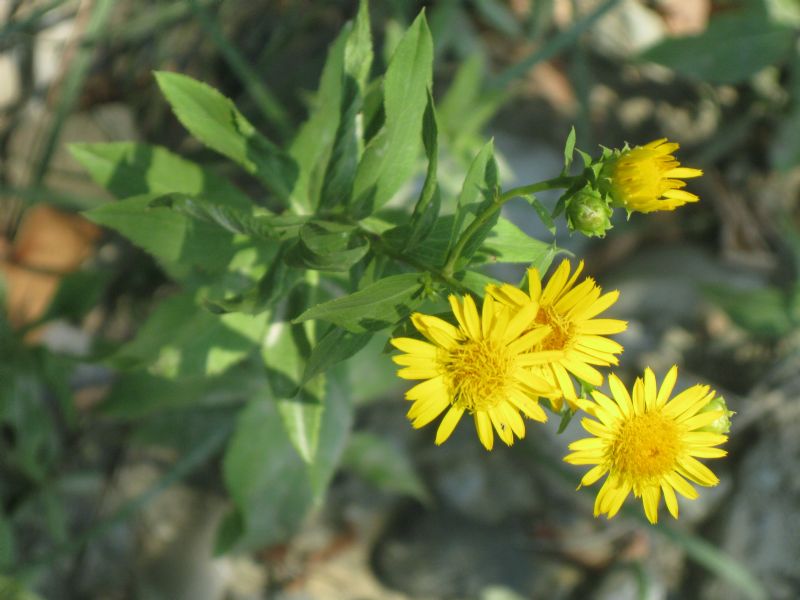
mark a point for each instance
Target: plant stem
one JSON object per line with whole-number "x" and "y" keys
{"x": 484, "y": 217}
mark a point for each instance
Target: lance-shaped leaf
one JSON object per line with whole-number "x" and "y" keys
{"x": 131, "y": 169}
{"x": 348, "y": 143}
{"x": 214, "y": 120}
{"x": 390, "y": 157}
{"x": 377, "y": 306}
{"x": 427, "y": 208}
{"x": 251, "y": 221}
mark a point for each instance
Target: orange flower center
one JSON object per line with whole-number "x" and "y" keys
{"x": 563, "y": 330}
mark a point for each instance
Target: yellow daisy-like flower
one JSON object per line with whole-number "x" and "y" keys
{"x": 481, "y": 367}
{"x": 569, "y": 310}
{"x": 648, "y": 443}
{"x": 649, "y": 178}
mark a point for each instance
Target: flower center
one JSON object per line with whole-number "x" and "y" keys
{"x": 646, "y": 446}
{"x": 563, "y": 330}
{"x": 480, "y": 373}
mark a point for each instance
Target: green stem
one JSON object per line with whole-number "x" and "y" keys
{"x": 480, "y": 220}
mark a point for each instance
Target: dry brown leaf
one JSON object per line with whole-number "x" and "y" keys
{"x": 49, "y": 244}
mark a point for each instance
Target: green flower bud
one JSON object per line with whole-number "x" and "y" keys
{"x": 588, "y": 212}
{"x": 723, "y": 423}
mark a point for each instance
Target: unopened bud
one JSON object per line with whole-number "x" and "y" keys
{"x": 723, "y": 423}
{"x": 589, "y": 213}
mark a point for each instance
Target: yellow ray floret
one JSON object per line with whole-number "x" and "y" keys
{"x": 482, "y": 367}
{"x": 570, "y": 311}
{"x": 648, "y": 443}
{"x": 649, "y": 178}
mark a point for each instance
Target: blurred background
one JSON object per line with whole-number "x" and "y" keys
{"x": 110, "y": 482}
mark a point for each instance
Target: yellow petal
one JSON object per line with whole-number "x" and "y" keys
{"x": 667, "y": 386}
{"x": 669, "y": 499}
{"x": 503, "y": 429}
{"x": 602, "y": 326}
{"x": 534, "y": 284}
{"x": 415, "y": 347}
{"x": 707, "y": 452}
{"x": 650, "y": 391}
{"x": 448, "y": 424}
{"x": 697, "y": 471}
{"x": 593, "y": 474}
{"x": 484, "y": 426}
{"x": 424, "y": 411}
{"x": 620, "y": 394}
{"x": 680, "y": 485}
{"x": 589, "y": 374}
{"x": 650, "y": 497}
{"x": 431, "y": 387}
{"x": 521, "y": 321}
{"x": 555, "y": 284}
{"x": 598, "y": 306}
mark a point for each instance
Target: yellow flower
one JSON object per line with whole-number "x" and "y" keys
{"x": 569, "y": 310}
{"x": 648, "y": 443}
{"x": 648, "y": 178}
{"x": 481, "y": 367}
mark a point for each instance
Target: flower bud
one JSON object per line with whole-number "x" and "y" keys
{"x": 723, "y": 423}
{"x": 588, "y": 212}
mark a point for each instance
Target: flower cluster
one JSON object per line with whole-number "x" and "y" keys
{"x": 539, "y": 346}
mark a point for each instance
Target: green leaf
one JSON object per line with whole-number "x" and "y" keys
{"x": 427, "y": 208}
{"x": 377, "y": 306}
{"x": 180, "y": 244}
{"x": 214, "y": 120}
{"x": 266, "y": 478}
{"x": 183, "y": 339}
{"x": 569, "y": 150}
{"x": 711, "y": 56}
{"x": 335, "y": 346}
{"x": 311, "y": 148}
{"x": 476, "y": 282}
{"x": 477, "y": 195}
{"x": 272, "y": 488}
{"x": 129, "y": 169}
{"x": 384, "y": 465}
{"x": 284, "y": 351}
{"x": 390, "y": 158}
{"x": 139, "y": 394}
{"x": 250, "y": 221}
{"x": 507, "y": 243}
{"x": 328, "y": 246}
{"x": 348, "y": 145}
{"x": 543, "y": 213}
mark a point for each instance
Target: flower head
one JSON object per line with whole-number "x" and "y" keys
{"x": 482, "y": 367}
{"x": 648, "y": 443}
{"x": 649, "y": 178}
{"x": 569, "y": 310}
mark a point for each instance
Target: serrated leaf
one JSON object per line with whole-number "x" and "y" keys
{"x": 373, "y": 308}
{"x": 384, "y": 465}
{"x": 180, "y": 244}
{"x": 389, "y": 159}
{"x": 261, "y": 224}
{"x": 214, "y": 120}
{"x": 131, "y": 169}
{"x": 710, "y": 56}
